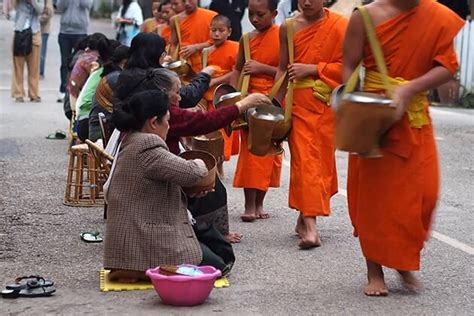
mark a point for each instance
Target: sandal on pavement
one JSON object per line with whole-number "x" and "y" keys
{"x": 29, "y": 281}
{"x": 40, "y": 291}
{"x": 91, "y": 237}
{"x": 59, "y": 134}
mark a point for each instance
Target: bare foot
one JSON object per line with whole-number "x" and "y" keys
{"x": 309, "y": 234}
{"x": 299, "y": 228}
{"x": 127, "y": 276}
{"x": 262, "y": 215}
{"x": 248, "y": 218}
{"x": 409, "y": 281}
{"x": 376, "y": 285}
{"x": 233, "y": 238}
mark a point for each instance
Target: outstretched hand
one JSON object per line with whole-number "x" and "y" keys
{"x": 201, "y": 194}
{"x": 253, "y": 100}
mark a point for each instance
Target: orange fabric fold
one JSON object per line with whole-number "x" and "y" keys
{"x": 165, "y": 33}
{"x": 392, "y": 199}
{"x": 254, "y": 172}
{"x": 313, "y": 177}
{"x": 194, "y": 30}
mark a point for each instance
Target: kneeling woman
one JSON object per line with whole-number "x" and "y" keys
{"x": 147, "y": 222}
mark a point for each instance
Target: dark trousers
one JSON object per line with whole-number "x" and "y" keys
{"x": 66, "y": 45}
{"x": 44, "y": 49}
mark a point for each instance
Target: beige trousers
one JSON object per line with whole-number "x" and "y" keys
{"x": 32, "y": 66}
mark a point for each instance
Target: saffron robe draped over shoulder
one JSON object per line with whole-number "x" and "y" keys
{"x": 224, "y": 57}
{"x": 254, "y": 172}
{"x": 313, "y": 176}
{"x": 195, "y": 29}
{"x": 392, "y": 199}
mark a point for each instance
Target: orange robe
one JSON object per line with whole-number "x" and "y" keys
{"x": 392, "y": 199}
{"x": 166, "y": 33}
{"x": 224, "y": 56}
{"x": 313, "y": 176}
{"x": 149, "y": 25}
{"x": 254, "y": 172}
{"x": 195, "y": 29}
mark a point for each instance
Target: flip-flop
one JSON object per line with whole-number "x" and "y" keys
{"x": 39, "y": 291}
{"x": 29, "y": 281}
{"x": 92, "y": 237}
{"x": 57, "y": 135}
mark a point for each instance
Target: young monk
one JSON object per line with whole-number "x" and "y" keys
{"x": 150, "y": 25}
{"x": 164, "y": 30}
{"x": 222, "y": 54}
{"x": 256, "y": 174}
{"x": 193, "y": 33}
{"x": 314, "y": 72}
{"x": 392, "y": 199}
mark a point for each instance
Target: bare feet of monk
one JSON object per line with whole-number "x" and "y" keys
{"x": 248, "y": 217}
{"x": 309, "y": 235}
{"x": 409, "y": 281}
{"x": 261, "y": 214}
{"x": 127, "y": 276}
{"x": 233, "y": 238}
{"x": 299, "y": 228}
{"x": 376, "y": 285}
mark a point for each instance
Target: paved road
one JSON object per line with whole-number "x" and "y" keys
{"x": 40, "y": 235}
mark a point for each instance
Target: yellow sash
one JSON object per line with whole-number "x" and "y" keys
{"x": 321, "y": 90}
{"x": 417, "y": 114}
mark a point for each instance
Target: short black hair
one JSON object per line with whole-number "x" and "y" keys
{"x": 222, "y": 18}
{"x": 273, "y": 4}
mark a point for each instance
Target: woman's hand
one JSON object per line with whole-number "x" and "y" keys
{"x": 253, "y": 100}
{"x": 252, "y": 67}
{"x": 299, "y": 71}
{"x": 210, "y": 70}
{"x": 201, "y": 194}
{"x": 187, "y": 51}
{"x": 402, "y": 97}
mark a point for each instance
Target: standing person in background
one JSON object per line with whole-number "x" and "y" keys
{"x": 128, "y": 21}
{"x": 45, "y": 22}
{"x": 150, "y": 25}
{"x": 286, "y": 9}
{"x": 26, "y": 47}
{"x": 192, "y": 33}
{"x": 73, "y": 28}
{"x": 234, "y": 10}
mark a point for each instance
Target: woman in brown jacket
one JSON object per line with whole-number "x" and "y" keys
{"x": 147, "y": 222}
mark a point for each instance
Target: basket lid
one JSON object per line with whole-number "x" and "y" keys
{"x": 367, "y": 98}
{"x": 268, "y": 113}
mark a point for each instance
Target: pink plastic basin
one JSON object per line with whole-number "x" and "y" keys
{"x": 182, "y": 290}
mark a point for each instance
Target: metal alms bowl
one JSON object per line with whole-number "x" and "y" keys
{"x": 224, "y": 95}
{"x": 363, "y": 98}
{"x": 181, "y": 67}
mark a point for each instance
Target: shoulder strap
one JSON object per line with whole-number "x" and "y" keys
{"x": 244, "y": 80}
{"x": 376, "y": 50}
{"x": 281, "y": 80}
{"x": 205, "y": 57}
{"x": 178, "y": 34}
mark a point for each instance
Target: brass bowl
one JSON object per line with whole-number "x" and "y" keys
{"x": 207, "y": 183}
{"x": 361, "y": 121}
{"x": 212, "y": 143}
{"x": 226, "y": 95}
{"x": 267, "y": 129}
{"x": 181, "y": 67}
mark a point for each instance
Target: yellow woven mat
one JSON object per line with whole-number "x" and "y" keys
{"x": 106, "y": 285}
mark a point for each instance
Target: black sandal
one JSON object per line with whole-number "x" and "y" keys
{"x": 35, "y": 280}
{"x": 35, "y": 286}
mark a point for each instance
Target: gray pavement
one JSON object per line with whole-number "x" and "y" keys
{"x": 38, "y": 234}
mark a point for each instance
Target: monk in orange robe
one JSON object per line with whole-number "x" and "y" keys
{"x": 150, "y": 25}
{"x": 314, "y": 72}
{"x": 257, "y": 174}
{"x": 221, "y": 55}
{"x": 194, "y": 24}
{"x": 392, "y": 199}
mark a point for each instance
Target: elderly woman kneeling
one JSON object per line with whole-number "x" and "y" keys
{"x": 147, "y": 222}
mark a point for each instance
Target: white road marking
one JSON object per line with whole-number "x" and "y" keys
{"x": 437, "y": 111}
{"x": 443, "y": 238}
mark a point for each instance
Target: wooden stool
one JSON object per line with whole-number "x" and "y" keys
{"x": 81, "y": 184}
